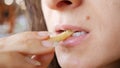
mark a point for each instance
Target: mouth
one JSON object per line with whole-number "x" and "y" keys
{"x": 79, "y": 35}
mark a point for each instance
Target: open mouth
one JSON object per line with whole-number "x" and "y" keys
{"x": 78, "y": 34}
{"x": 76, "y": 38}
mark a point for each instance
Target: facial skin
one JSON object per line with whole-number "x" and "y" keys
{"x": 101, "y": 18}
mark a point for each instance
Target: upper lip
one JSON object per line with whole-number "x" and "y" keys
{"x": 62, "y": 28}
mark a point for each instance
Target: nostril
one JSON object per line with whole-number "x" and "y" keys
{"x": 61, "y": 5}
{"x": 64, "y": 3}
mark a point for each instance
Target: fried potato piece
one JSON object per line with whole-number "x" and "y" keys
{"x": 61, "y": 36}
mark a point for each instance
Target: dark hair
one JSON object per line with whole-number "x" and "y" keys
{"x": 38, "y": 22}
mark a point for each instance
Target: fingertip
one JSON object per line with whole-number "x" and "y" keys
{"x": 43, "y": 33}
{"x": 48, "y": 44}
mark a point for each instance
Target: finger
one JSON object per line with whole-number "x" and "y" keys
{"x": 13, "y": 60}
{"x": 29, "y": 42}
{"x": 31, "y": 34}
{"x": 44, "y": 59}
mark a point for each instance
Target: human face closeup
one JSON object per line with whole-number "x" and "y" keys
{"x": 95, "y": 42}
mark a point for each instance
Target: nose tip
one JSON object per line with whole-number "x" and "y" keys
{"x": 62, "y": 4}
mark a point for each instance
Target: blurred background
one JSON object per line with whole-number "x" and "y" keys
{"x": 22, "y": 15}
{"x": 13, "y": 17}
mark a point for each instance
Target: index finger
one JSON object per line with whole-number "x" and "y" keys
{"x": 29, "y": 42}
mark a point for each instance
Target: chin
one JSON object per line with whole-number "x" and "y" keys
{"x": 93, "y": 58}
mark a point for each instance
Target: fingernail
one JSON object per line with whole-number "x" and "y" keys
{"x": 32, "y": 61}
{"x": 43, "y": 34}
{"x": 47, "y": 43}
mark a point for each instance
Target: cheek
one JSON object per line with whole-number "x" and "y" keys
{"x": 50, "y": 18}
{"x": 105, "y": 46}
{"x": 109, "y": 10}
{"x": 107, "y": 36}
{"x": 109, "y": 14}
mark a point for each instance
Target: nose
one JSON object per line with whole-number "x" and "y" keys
{"x": 62, "y": 4}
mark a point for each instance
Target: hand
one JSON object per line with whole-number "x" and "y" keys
{"x": 16, "y": 51}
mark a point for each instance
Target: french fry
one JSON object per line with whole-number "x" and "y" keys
{"x": 61, "y": 36}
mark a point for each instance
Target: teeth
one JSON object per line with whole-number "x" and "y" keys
{"x": 78, "y": 34}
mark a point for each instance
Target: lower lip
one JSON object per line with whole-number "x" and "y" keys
{"x": 73, "y": 41}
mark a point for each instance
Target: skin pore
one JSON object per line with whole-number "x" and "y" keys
{"x": 99, "y": 18}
